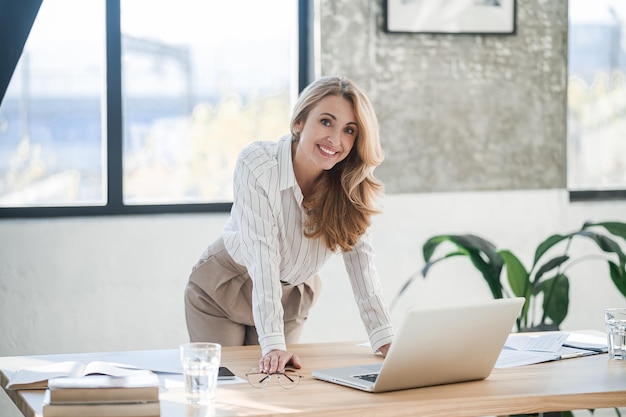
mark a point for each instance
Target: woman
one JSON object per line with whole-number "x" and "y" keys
{"x": 297, "y": 202}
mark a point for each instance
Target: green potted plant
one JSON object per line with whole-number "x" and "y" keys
{"x": 546, "y": 281}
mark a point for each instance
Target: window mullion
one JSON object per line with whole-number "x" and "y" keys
{"x": 113, "y": 138}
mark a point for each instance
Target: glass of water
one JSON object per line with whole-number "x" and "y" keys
{"x": 615, "y": 320}
{"x": 201, "y": 363}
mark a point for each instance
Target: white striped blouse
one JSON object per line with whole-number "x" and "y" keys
{"x": 265, "y": 234}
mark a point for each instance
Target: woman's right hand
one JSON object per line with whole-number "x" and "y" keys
{"x": 277, "y": 360}
{"x": 384, "y": 349}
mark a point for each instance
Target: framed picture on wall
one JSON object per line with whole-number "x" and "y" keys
{"x": 450, "y": 16}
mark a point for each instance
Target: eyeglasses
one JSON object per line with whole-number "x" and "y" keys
{"x": 287, "y": 379}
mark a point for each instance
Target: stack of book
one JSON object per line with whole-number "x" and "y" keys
{"x": 103, "y": 396}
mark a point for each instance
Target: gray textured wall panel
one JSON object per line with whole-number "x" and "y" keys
{"x": 459, "y": 112}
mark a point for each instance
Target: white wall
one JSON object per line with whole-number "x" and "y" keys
{"x": 116, "y": 283}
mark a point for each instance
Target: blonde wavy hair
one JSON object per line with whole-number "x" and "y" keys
{"x": 345, "y": 197}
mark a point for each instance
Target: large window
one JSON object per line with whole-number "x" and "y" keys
{"x": 597, "y": 99}
{"x": 129, "y": 106}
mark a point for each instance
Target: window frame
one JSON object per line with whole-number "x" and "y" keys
{"x": 114, "y": 139}
{"x": 596, "y": 195}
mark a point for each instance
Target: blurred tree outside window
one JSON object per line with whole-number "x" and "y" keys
{"x": 51, "y": 125}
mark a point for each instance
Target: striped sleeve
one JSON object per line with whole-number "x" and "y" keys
{"x": 359, "y": 263}
{"x": 255, "y": 196}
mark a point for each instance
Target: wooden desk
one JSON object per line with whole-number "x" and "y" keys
{"x": 582, "y": 383}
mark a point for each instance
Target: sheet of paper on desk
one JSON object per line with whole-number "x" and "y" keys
{"x": 545, "y": 342}
{"x": 162, "y": 361}
{"x": 522, "y": 350}
{"x": 586, "y": 341}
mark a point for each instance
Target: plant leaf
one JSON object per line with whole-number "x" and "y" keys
{"x": 606, "y": 244}
{"x": 549, "y": 266}
{"x": 474, "y": 242}
{"x": 429, "y": 264}
{"x": 547, "y": 244}
{"x": 618, "y": 276}
{"x": 490, "y": 272}
{"x": 480, "y": 251}
{"x": 555, "y": 298}
{"x": 431, "y": 244}
{"x": 615, "y": 228}
{"x": 518, "y": 281}
{"x": 516, "y": 274}
{"x": 484, "y": 256}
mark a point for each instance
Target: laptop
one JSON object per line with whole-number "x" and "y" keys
{"x": 436, "y": 346}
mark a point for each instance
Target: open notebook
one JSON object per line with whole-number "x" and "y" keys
{"x": 436, "y": 346}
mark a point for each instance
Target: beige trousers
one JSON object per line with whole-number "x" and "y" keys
{"x": 218, "y": 302}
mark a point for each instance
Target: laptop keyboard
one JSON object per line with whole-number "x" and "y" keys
{"x": 367, "y": 377}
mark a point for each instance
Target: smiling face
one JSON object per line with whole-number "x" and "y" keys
{"x": 326, "y": 136}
